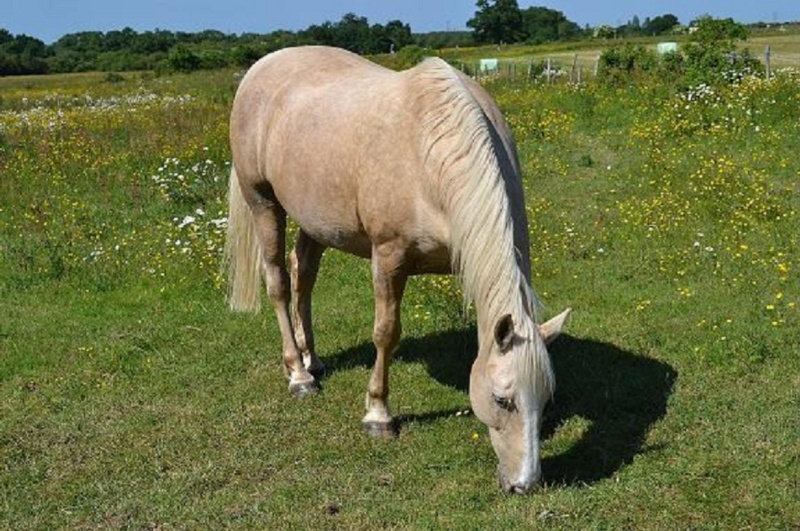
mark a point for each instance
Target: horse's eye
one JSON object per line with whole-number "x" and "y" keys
{"x": 503, "y": 402}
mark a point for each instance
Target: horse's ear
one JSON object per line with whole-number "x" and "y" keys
{"x": 504, "y": 333}
{"x": 552, "y": 328}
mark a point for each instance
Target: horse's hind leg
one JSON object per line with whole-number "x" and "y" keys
{"x": 304, "y": 261}
{"x": 270, "y": 221}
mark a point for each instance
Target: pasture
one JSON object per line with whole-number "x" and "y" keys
{"x": 131, "y": 398}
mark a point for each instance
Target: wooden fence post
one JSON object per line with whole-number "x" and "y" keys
{"x": 573, "y": 70}
{"x": 767, "y": 58}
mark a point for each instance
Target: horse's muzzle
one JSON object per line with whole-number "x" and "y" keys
{"x": 513, "y": 488}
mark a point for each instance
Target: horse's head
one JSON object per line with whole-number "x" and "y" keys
{"x": 508, "y": 392}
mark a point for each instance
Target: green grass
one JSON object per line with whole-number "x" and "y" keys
{"x": 130, "y": 398}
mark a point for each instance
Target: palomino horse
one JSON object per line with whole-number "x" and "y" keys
{"x": 416, "y": 171}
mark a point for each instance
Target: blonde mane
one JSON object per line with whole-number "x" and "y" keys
{"x": 461, "y": 146}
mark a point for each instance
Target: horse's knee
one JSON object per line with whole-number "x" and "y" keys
{"x": 386, "y": 333}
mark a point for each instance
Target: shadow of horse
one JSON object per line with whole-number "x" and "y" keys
{"x": 618, "y": 394}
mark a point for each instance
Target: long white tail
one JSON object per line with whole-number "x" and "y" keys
{"x": 242, "y": 253}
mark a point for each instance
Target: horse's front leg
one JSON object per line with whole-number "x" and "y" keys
{"x": 389, "y": 281}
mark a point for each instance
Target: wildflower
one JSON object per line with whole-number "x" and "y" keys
{"x": 187, "y": 220}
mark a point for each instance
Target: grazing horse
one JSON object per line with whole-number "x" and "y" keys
{"x": 416, "y": 171}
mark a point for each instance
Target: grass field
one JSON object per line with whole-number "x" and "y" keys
{"x": 130, "y": 398}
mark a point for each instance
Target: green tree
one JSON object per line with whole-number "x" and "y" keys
{"x": 22, "y": 54}
{"x": 5, "y": 36}
{"x": 398, "y": 34}
{"x": 319, "y": 34}
{"x": 353, "y": 33}
{"x": 711, "y": 30}
{"x": 88, "y": 43}
{"x": 154, "y": 42}
{"x": 541, "y": 24}
{"x": 660, "y": 25}
{"x": 120, "y": 40}
{"x": 497, "y": 21}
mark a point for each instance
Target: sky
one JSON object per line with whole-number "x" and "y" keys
{"x": 49, "y": 20}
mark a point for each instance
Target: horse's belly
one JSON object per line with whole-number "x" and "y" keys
{"x": 333, "y": 227}
{"x": 342, "y": 238}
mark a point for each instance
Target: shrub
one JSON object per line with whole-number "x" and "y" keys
{"x": 114, "y": 77}
{"x": 712, "y": 56}
{"x": 716, "y": 63}
{"x": 182, "y": 59}
{"x": 620, "y": 63}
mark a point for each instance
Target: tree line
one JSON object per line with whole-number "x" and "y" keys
{"x": 494, "y": 22}
{"x": 127, "y": 49}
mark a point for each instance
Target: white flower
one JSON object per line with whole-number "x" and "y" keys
{"x": 188, "y": 220}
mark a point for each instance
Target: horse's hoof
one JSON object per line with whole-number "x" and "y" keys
{"x": 380, "y": 430}
{"x": 303, "y": 389}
